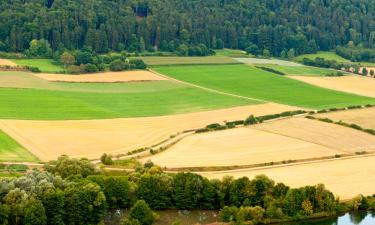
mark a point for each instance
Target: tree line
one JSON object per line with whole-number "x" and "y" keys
{"x": 72, "y": 191}
{"x": 276, "y": 27}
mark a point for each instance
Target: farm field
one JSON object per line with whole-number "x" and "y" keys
{"x": 49, "y": 139}
{"x": 251, "y": 82}
{"x": 109, "y": 77}
{"x": 45, "y": 65}
{"x": 362, "y": 117}
{"x": 347, "y": 177}
{"x": 32, "y": 81}
{"x": 323, "y": 54}
{"x": 10, "y": 150}
{"x": 175, "y": 60}
{"x": 267, "y": 61}
{"x": 299, "y": 70}
{"x": 232, "y": 53}
{"x": 6, "y": 62}
{"x": 325, "y": 134}
{"x": 234, "y": 147}
{"x": 353, "y": 84}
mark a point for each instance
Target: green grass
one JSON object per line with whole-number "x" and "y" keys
{"x": 11, "y": 151}
{"x": 175, "y": 60}
{"x": 322, "y": 54}
{"x": 233, "y": 53}
{"x": 45, "y": 65}
{"x": 300, "y": 70}
{"x": 252, "y": 82}
{"x": 59, "y": 105}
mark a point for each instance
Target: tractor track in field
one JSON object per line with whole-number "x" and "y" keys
{"x": 209, "y": 89}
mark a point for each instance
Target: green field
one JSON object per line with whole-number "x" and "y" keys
{"x": 175, "y": 60}
{"x": 322, "y": 54}
{"x": 252, "y": 82}
{"x": 59, "y": 105}
{"x": 45, "y": 65}
{"x": 233, "y": 53}
{"x": 300, "y": 70}
{"x": 10, "y": 150}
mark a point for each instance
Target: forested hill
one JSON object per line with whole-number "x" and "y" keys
{"x": 136, "y": 25}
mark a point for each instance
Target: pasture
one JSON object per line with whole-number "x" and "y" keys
{"x": 11, "y": 151}
{"x": 352, "y": 84}
{"x": 251, "y": 82}
{"x": 236, "y": 147}
{"x": 175, "y": 60}
{"x": 299, "y": 70}
{"x": 347, "y": 177}
{"x": 92, "y": 138}
{"x": 62, "y": 105}
{"x": 45, "y": 65}
{"x": 323, "y": 54}
{"x": 362, "y": 117}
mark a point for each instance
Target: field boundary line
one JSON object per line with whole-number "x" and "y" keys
{"x": 209, "y": 89}
{"x": 25, "y": 142}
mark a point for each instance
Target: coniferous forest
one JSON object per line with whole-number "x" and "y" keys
{"x": 170, "y": 25}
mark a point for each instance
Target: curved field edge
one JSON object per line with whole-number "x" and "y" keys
{"x": 11, "y": 150}
{"x": 63, "y": 105}
{"x": 251, "y": 82}
{"x": 50, "y": 139}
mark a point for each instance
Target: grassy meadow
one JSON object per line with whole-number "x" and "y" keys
{"x": 45, "y": 65}
{"x": 255, "y": 83}
{"x": 176, "y": 60}
{"x": 60, "y": 105}
{"x": 299, "y": 70}
{"x": 10, "y": 150}
{"x": 323, "y": 54}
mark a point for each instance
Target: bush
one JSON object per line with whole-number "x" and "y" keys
{"x": 228, "y": 214}
{"x": 106, "y": 159}
{"x": 117, "y": 65}
{"x": 142, "y": 212}
{"x": 270, "y": 70}
{"x": 34, "y": 69}
{"x": 90, "y": 68}
{"x": 138, "y": 64}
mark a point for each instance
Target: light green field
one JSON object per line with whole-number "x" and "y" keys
{"x": 322, "y": 54}
{"x": 252, "y": 82}
{"x": 45, "y": 65}
{"x": 174, "y": 60}
{"x": 11, "y": 151}
{"x": 233, "y": 53}
{"x": 60, "y": 105}
{"x": 300, "y": 70}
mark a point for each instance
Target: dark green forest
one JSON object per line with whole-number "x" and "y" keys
{"x": 175, "y": 25}
{"x": 75, "y": 192}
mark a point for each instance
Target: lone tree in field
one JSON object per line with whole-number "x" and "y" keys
{"x": 67, "y": 59}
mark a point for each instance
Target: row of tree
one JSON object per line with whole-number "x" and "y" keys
{"x": 73, "y": 192}
{"x": 188, "y": 27}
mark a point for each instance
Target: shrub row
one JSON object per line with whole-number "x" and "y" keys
{"x": 341, "y": 123}
{"x": 270, "y": 70}
{"x": 341, "y": 109}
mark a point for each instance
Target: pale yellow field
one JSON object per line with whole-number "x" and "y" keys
{"x": 325, "y": 134}
{"x": 6, "y": 62}
{"x": 240, "y": 146}
{"x": 344, "y": 177}
{"x": 353, "y": 84}
{"x": 362, "y": 117}
{"x": 91, "y": 138}
{"x": 108, "y": 77}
